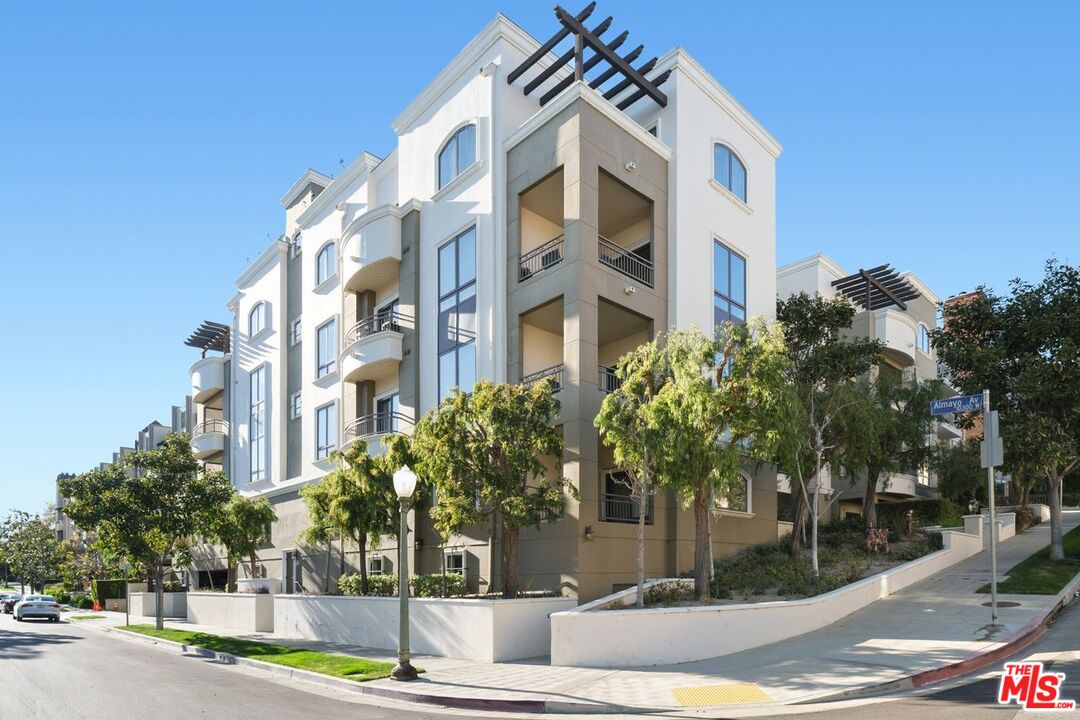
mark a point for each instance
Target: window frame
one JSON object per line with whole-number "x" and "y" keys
{"x": 257, "y": 471}
{"x": 296, "y": 246}
{"x": 296, "y": 329}
{"x": 258, "y": 310}
{"x": 717, "y": 294}
{"x": 325, "y": 274}
{"x": 381, "y": 561}
{"x": 922, "y": 336}
{"x": 749, "y": 493}
{"x": 464, "y": 562}
{"x": 455, "y": 294}
{"x": 296, "y": 405}
{"x": 440, "y": 184}
{"x": 323, "y": 369}
{"x": 733, "y": 157}
{"x": 323, "y": 450}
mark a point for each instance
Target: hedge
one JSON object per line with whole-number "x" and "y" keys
{"x": 422, "y": 585}
{"x": 932, "y": 511}
{"x": 102, "y": 590}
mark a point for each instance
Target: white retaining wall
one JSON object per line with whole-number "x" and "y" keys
{"x": 589, "y": 637}
{"x": 249, "y": 612}
{"x": 474, "y": 629}
{"x": 144, "y": 604}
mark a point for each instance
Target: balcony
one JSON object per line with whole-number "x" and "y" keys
{"x": 375, "y": 425}
{"x": 608, "y": 380}
{"x": 627, "y": 262}
{"x": 898, "y": 333}
{"x": 372, "y": 248}
{"x": 555, "y": 372}
{"x": 547, "y": 255}
{"x": 622, "y": 509}
{"x": 208, "y": 438}
{"x": 946, "y": 430}
{"x": 373, "y": 347}
{"x": 207, "y": 378}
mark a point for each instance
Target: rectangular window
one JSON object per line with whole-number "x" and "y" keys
{"x": 325, "y": 431}
{"x": 295, "y": 406}
{"x": 375, "y": 567}
{"x": 386, "y": 413}
{"x": 295, "y": 331}
{"x": 455, "y": 563}
{"x": 457, "y": 313}
{"x": 257, "y": 423}
{"x": 729, "y": 286}
{"x": 326, "y": 353}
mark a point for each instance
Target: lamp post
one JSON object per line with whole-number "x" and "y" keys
{"x": 404, "y": 485}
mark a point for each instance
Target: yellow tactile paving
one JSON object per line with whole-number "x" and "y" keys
{"x": 720, "y": 695}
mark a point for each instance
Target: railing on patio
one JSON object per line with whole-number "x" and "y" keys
{"x": 374, "y": 424}
{"x": 206, "y": 427}
{"x": 609, "y": 381}
{"x": 555, "y": 372}
{"x": 541, "y": 258}
{"x": 377, "y": 323}
{"x": 621, "y": 509}
{"x": 628, "y": 263}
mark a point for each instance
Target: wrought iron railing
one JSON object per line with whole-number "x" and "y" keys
{"x": 377, "y": 323}
{"x": 923, "y": 491}
{"x": 541, "y": 258}
{"x": 555, "y": 372}
{"x": 216, "y": 425}
{"x": 621, "y": 509}
{"x": 609, "y": 381}
{"x": 374, "y": 424}
{"x": 628, "y": 263}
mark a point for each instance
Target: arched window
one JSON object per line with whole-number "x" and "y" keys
{"x": 457, "y": 154}
{"x": 325, "y": 263}
{"x": 257, "y": 319}
{"x": 924, "y": 338}
{"x": 737, "y": 498}
{"x": 729, "y": 171}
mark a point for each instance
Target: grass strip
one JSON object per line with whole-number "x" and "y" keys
{"x": 1039, "y": 575}
{"x": 340, "y": 666}
{"x": 87, "y": 617}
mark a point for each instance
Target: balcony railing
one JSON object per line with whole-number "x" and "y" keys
{"x": 374, "y": 424}
{"x": 541, "y": 258}
{"x": 621, "y": 509}
{"x": 609, "y": 381}
{"x": 629, "y": 264}
{"x": 555, "y": 372}
{"x": 206, "y": 427}
{"x": 377, "y": 323}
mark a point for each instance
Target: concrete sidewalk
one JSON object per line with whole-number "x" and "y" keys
{"x": 928, "y": 625}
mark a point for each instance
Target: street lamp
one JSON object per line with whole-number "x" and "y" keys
{"x": 405, "y": 486}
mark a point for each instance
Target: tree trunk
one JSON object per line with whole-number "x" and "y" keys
{"x": 702, "y": 540}
{"x": 253, "y": 558}
{"x": 1053, "y": 486}
{"x": 869, "y": 504}
{"x": 159, "y": 594}
{"x": 230, "y": 574}
{"x": 798, "y": 517}
{"x": 815, "y": 512}
{"x": 326, "y": 572}
{"x": 361, "y": 543}
{"x": 642, "y": 506}
{"x": 341, "y": 559}
{"x": 509, "y": 561}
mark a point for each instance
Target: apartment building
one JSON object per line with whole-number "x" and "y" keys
{"x": 900, "y": 310}
{"x": 531, "y": 220}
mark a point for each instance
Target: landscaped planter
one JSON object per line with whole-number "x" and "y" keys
{"x": 473, "y": 629}
{"x": 255, "y": 585}
{"x": 144, "y": 604}
{"x": 592, "y": 636}
{"x": 250, "y": 612}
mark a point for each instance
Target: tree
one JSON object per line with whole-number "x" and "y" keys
{"x": 29, "y": 547}
{"x": 626, "y": 426}
{"x": 1023, "y": 348}
{"x": 145, "y": 504}
{"x": 484, "y": 452}
{"x": 886, "y": 431}
{"x": 241, "y": 526}
{"x": 320, "y": 529}
{"x": 960, "y": 477}
{"x": 822, "y": 366}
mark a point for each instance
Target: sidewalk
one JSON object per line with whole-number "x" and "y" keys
{"x": 928, "y": 625}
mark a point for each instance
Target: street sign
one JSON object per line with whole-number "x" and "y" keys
{"x": 955, "y": 404}
{"x": 991, "y": 448}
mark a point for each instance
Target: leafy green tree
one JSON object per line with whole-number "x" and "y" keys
{"x": 29, "y": 548}
{"x": 320, "y": 529}
{"x": 960, "y": 477}
{"x": 1023, "y": 348}
{"x": 145, "y": 505}
{"x": 484, "y": 452}
{"x": 823, "y": 363}
{"x": 241, "y": 526}
{"x": 886, "y": 431}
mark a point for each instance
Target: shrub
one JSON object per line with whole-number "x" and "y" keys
{"x": 931, "y": 542}
{"x": 669, "y": 594}
{"x": 432, "y": 585}
{"x": 103, "y": 590}
{"x": 1025, "y": 518}
{"x": 877, "y": 541}
{"x": 933, "y": 511}
{"x": 58, "y": 592}
{"x": 82, "y": 602}
{"x": 378, "y": 585}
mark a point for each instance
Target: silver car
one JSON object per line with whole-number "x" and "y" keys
{"x": 39, "y": 606}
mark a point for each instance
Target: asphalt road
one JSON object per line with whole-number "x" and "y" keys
{"x": 65, "y": 671}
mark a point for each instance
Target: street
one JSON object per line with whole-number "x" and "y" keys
{"x": 63, "y": 671}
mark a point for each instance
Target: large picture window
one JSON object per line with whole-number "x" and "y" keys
{"x": 729, "y": 286}
{"x": 457, "y": 154}
{"x": 257, "y": 423}
{"x": 729, "y": 171}
{"x": 325, "y": 431}
{"x": 737, "y": 498}
{"x": 457, "y": 313}
{"x": 326, "y": 350}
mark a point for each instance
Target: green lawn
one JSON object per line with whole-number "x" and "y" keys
{"x": 87, "y": 617}
{"x": 342, "y": 666}
{"x": 1039, "y": 575}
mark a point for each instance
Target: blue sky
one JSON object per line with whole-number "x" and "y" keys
{"x": 138, "y": 141}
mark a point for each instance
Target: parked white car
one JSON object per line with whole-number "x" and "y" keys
{"x": 39, "y": 606}
{"x": 8, "y": 600}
